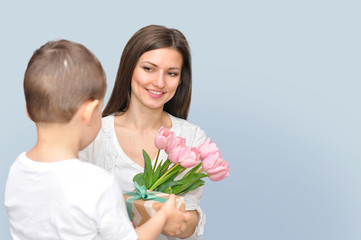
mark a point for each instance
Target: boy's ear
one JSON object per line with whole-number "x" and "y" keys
{"x": 27, "y": 112}
{"x": 88, "y": 109}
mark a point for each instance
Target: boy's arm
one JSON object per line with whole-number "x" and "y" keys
{"x": 113, "y": 221}
{"x": 154, "y": 226}
{"x": 111, "y": 215}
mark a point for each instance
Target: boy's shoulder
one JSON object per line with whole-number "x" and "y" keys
{"x": 91, "y": 173}
{"x": 74, "y": 169}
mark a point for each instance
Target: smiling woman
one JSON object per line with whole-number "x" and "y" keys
{"x": 152, "y": 89}
{"x": 156, "y": 77}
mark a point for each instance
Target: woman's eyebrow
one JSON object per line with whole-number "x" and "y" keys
{"x": 176, "y": 68}
{"x": 155, "y": 65}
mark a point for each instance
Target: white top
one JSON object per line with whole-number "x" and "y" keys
{"x": 106, "y": 152}
{"x": 68, "y": 199}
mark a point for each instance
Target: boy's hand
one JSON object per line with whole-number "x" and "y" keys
{"x": 176, "y": 219}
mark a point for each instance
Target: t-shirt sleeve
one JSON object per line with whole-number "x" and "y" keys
{"x": 192, "y": 202}
{"x": 112, "y": 217}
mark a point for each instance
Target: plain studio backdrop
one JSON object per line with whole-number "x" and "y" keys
{"x": 276, "y": 85}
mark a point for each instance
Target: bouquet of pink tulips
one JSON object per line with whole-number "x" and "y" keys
{"x": 204, "y": 161}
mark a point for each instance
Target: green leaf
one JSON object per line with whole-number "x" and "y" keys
{"x": 193, "y": 170}
{"x": 164, "y": 167}
{"x": 191, "y": 178}
{"x": 139, "y": 179}
{"x": 148, "y": 171}
{"x": 195, "y": 185}
{"x": 169, "y": 183}
{"x": 187, "y": 182}
{"x": 162, "y": 187}
{"x": 166, "y": 177}
{"x": 168, "y": 190}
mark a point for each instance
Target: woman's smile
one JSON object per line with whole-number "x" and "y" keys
{"x": 155, "y": 93}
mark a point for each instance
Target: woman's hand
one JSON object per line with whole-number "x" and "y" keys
{"x": 168, "y": 216}
{"x": 176, "y": 223}
{"x": 189, "y": 224}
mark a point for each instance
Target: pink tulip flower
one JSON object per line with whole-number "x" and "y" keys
{"x": 207, "y": 148}
{"x": 188, "y": 157}
{"x": 174, "y": 142}
{"x": 220, "y": 172}
{"x": 163, "y": 138}
{"x": 215, "y": 166}
{"x": 175, "y": 146}
{"x": 210, "y": 161}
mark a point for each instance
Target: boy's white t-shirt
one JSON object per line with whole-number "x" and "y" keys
{"x": 69, "y": 199}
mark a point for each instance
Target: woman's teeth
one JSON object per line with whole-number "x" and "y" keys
{"x": 154, "y": 92}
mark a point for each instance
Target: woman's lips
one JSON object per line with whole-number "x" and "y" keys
{"x": 155, "y": 93}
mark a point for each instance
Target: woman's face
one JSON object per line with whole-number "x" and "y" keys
{"x": 156, "y": 77}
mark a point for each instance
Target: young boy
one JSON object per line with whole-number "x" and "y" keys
{"x": 50, "y": 194}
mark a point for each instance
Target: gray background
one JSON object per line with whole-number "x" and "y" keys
{"x": 276, "y": 86}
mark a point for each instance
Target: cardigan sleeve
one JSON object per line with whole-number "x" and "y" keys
{"x": 194, "y": 136}
{"x": 193, "y": 198}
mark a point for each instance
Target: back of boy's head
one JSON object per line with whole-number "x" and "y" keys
{"x": 60, "y": 77}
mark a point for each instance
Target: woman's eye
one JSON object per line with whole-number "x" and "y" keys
{"x": 148, "y": 69}
{"x": 173, "y": 74}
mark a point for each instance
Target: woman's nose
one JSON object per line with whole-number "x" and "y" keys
{"x": 160, "y": 81}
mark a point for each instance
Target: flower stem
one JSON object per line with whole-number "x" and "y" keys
{"x": 156, "y": 161}
{"x": 173, "y": 167}
{"x": 163, "y": 176}
{"x": 166, "y": 167}
{"x": 180, "y": 172}
{"x": 200, "y": 170}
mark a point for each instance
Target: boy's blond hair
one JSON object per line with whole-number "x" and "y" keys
{"x": 60, "y": 77}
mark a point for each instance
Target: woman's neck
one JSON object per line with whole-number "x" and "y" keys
{"x": 145, "y": 119}
{"x": 136, "y": 129}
